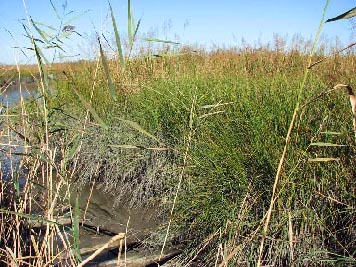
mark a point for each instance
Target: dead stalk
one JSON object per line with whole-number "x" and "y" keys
{"x": 98, "y": 251}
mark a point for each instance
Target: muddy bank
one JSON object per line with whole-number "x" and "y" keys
{"x": 100, "y": 220}
{"x": 98, "y": 209}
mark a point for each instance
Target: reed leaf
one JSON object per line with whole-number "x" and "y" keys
{"x": 167, "y": 55}
{"x": 41, "y": 155}
{"x": 107, "y": 71}
{"x": 156, "y": 40}
{"x": 91, "y": 110}
{"x": 129, "y": 24}
{"x": 39, "y": 57}
{"x": 125, "y": 146}
{"x": 45, "y": 25}
{"x": 348, "y": 14}
{"x": 75, "y": 144}
{"x": 43, "y": 34}
{"x": 55, "y": 9}
{"x": 331, "y": 133}
{"x": 325, "y": 144}
{"x": 136, "y": 28}
{"x": 323, "y": 159}
{"x": 117, "y": 39}
{"x": 38, "y": 53}
{"x": 137, "y": 127}
{"x": 140, "y": 147}
{"x": 75, "y": 17}
{"x": 28, "y": 216}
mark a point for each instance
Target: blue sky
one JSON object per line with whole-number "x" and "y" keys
{"x": 208, "y": 22}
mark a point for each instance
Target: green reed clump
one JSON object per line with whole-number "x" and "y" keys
{"x": 236, "y": 107}
{"x": 240, "y": 122}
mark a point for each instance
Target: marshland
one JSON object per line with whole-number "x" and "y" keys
{"x": 156, "y": 153}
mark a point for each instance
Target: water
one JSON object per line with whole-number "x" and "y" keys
{"x": 11, "y": 95}
{"x": 10, "y": 144}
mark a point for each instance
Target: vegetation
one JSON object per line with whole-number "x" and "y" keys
{"x": 198, "y": 136}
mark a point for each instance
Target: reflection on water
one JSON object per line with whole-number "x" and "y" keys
{"x": 11, "y": 94}
{"x": 10, "y": 145}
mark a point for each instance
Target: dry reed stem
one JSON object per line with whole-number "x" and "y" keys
{"x": 206, "y": 243}
{"x": 35, "y": 247}
{"x": 88, "y": 201}
{"x": 120, "y": 252}
{"x": 247, "y": 240}
{"x": 236, "y": 249}
{"x": 334, "y": 200}
{"x": 66, "y": 248}
{"x": 126, "y": 230}
{"x": 325, "y": 58}
{"x": 220, "y": 254}
{"x": 291, "y": 238}
{"x": 287, "y": 140}
{"x": 98, "y": 251}
{"x": 275, "y": 185}
{"x": 90, "y": 195}
{"x": 13, "y": 260}
{"x": 184, "y": 166}
{"x": 352, "y": 102}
